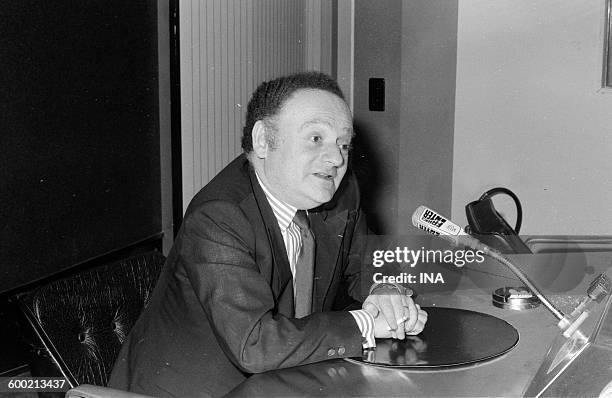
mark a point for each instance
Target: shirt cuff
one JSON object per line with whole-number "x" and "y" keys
{"x": 365, "y": 321}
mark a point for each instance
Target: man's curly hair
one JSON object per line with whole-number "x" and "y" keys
{"x": 269, "y": 97}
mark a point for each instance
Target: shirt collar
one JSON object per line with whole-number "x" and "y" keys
{"x": 283, "y": 212}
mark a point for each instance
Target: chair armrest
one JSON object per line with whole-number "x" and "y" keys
{"x": 91, "y": 391}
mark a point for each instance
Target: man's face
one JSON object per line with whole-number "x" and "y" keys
{"x": 314, "y": 129}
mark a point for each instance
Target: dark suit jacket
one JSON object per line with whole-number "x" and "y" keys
{"x": 223, "y": 306}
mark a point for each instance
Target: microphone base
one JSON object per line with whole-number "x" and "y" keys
{"x": 515, "y": 298}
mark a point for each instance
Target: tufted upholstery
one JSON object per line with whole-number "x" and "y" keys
{"x": 80, "y": 322}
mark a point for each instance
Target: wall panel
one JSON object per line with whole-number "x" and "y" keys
{"x": 403, "y": 155}
{"x": 227, "y": 48}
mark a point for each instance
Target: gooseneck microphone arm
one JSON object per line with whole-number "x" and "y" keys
{"x": 505, "y": 261}
{"x": 436, "y": 224}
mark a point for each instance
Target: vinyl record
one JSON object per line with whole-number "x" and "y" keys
{"x": 452, "y": 337}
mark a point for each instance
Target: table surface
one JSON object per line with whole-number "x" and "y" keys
{"x": 564, "y": 278}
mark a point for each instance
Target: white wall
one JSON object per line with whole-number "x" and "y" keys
{"x": 530, "y": 114}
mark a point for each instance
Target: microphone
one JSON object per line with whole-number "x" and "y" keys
{"x": 436, "y": 224}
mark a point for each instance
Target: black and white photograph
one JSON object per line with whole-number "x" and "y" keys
{"x": 305, "y": 198}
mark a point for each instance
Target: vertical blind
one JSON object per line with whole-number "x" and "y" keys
{"x": 227, "y": 48}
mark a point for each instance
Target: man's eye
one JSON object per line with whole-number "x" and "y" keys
{"x": 345, "y": 147}
{"x": 315, "y": 138}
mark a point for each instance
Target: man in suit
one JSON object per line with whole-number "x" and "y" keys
{"x": 268, "y": 254}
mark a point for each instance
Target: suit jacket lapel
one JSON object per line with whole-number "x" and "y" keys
{"x": 282, "y": 278}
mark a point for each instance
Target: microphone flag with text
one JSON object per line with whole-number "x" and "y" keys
{"x": 436, "y": 224}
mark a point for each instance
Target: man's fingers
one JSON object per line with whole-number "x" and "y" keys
{"x": 417, "y": 329}
{"x": 401, "y": 311}
{"x": 396, "y": 313}
{"x": 388, "y": 312}
{"x": 415, "y": 318}
{"x": 413, "y": 315}
{"x": 420, "y": 325}
{"x": 371, "y": 308}
{"x": 400, "y": 315}
{"x": 393, "y": 311}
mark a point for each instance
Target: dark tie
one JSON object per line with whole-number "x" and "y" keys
{"x": 304, "y": 269}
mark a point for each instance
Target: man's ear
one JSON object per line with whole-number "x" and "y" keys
{"x": 260, "y": 143}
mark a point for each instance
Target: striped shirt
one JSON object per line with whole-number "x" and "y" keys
{"x": 290, "y": 231}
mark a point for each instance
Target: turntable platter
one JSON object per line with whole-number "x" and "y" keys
{"x": 452, "y": 337}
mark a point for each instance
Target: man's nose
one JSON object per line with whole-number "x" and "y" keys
{"x": 334, "y": 155}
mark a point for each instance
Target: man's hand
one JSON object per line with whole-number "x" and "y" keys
{"x": 395, "y": 314}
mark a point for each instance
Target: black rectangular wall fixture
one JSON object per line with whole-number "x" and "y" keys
{"x": 376, "y": 94}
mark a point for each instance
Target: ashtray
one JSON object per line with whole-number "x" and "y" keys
{"x": 515, "y": 298}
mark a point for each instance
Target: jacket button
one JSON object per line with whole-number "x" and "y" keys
{"x": 341, "y": 350}
{"x": 331, "y": 352}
